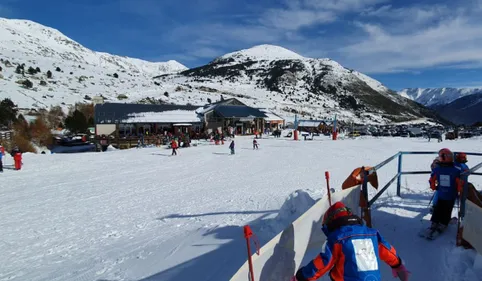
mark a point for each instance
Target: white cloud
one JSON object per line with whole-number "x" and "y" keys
{"x": 455, "y": 41}
{"x": 343, "y": 5}
{"x": 295, "y": 19}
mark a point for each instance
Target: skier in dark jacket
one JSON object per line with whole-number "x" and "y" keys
{"x": 1, "y": 155}
{"x": 231, "y": 147}
{"x": 352, "y": 251}
{"x": 446, "y": 181}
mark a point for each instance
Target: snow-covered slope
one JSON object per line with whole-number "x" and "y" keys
{"x": 276, "y": 78}
{"x": 437, "y": 96}
{"x": 151, "y": 217}
{"x": 264, "y": 76}
{"x": 83, "y": 71}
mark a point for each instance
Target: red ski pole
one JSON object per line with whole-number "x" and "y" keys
{"x": 248, "y": 233}
{"x": 327, "y": 176}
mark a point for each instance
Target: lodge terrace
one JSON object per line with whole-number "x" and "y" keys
{"x": 124, "y": 122}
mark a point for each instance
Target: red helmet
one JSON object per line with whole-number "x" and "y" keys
{"x": 445, "y": 155}
{"x": 336, "y": 211}
{"x": 461, "y": 157}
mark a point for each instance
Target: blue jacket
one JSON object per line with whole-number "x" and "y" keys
{"x": 462, "y": 166}
{"x": 1, "y": 155}
{"x": 446, "y": 180}
{"x": 351, "y": 253}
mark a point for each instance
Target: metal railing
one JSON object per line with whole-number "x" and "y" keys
{"x": 400, "y": 173}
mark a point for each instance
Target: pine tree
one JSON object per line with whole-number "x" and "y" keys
{"x": 49, "y": 74}
{"x": 77, "y": 123}
{"x": 31, "y": 71}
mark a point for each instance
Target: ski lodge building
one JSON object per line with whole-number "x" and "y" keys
{"x": 135, "y": 120}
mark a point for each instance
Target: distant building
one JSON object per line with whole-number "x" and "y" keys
{"x": 272, "y": 120}
{"x": 232, "y": 113}
{"x": 127, "y": 119}
{"x": 97, "y": 100}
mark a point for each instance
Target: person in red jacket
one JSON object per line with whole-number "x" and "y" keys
{"x": 352, "y": 251}
{"x": 174, "y": 147}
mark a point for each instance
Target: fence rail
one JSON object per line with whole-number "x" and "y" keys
{"x": 400, "y": 173}
{"x": 6, "y": 135}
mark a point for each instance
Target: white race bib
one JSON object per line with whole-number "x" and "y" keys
{"x": 366, "y": 258}
{"x": 444, "y": 180}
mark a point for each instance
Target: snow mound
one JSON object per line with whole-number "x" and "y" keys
{"x": 463, "y": 265}
{"x": 263, "y": 52}
{"x": 111, "y": 148}
{"x": 295, "y": 205}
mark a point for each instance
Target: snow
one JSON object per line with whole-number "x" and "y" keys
{"x": 86, "y": 74}
{"x": 437, "y": 96}
{"x": 271, "y": 116}
{"x": 170, "y": 116}
{"x": 263, "y": 52}
{"x": 371, "y": 82}
{"x": 142, "y": 215}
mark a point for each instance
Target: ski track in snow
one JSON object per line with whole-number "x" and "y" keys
{"x": 140, "y": 214}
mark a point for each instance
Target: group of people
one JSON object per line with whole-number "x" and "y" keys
{"x": 231, "y": 145}
{"x": 447, "y": 180}
{"x": 352, "y": 250}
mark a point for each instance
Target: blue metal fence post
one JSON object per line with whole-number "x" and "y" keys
{"x": 399, "y": 177}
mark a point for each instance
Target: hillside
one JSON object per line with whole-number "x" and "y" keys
{"x": 82, "y": 73}
{"x": 263, "y": 76}
{"x": 437, "y": 96}
{"x": 281, "y": 79}
{"x": 465, "y": 110}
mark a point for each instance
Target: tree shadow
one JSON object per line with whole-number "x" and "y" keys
{"x": 219, "y": 264}
{"x": 178, "y": 216}
{"x": 221, "y": 153}
{"x": 160, "y": 154}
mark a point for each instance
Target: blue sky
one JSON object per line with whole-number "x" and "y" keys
{"x": 402, "y": 43}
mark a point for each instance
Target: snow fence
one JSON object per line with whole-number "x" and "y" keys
{"x": 284, "y": 254}
{"x": 473, "y": 226}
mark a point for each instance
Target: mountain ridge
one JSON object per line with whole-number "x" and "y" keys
{"x": 266, "y": 76}
{"x": 437, "y": 96}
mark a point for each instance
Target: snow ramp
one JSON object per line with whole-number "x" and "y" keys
{"x": 285, "y": 253}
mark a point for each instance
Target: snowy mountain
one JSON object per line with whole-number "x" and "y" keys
{"x": 437, "y": 96}
{"x": 80, "y": 72}
{"x": 465, "y": 110}
{"x": 277, "y": 78}
{"x": 263, "y": 76}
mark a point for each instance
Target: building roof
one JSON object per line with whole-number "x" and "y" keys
{"x": 238, "y": 111}
{"x": 111, "y": 113}
{"x": 170, "y": 116}
{"x": 270, "y": 115}
{"x": 309, "y": 123}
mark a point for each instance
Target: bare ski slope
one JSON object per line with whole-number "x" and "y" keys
{"x": 142, "y": 215}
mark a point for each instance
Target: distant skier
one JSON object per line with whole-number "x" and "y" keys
{"x": 255, "y": 144}
{"x": 446, "y": 181}
{"x": 174, "y": 147}
{"x": 352, "y": 251}
{"x": 2, "y": 151}
{"x": 231, "y": 147}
